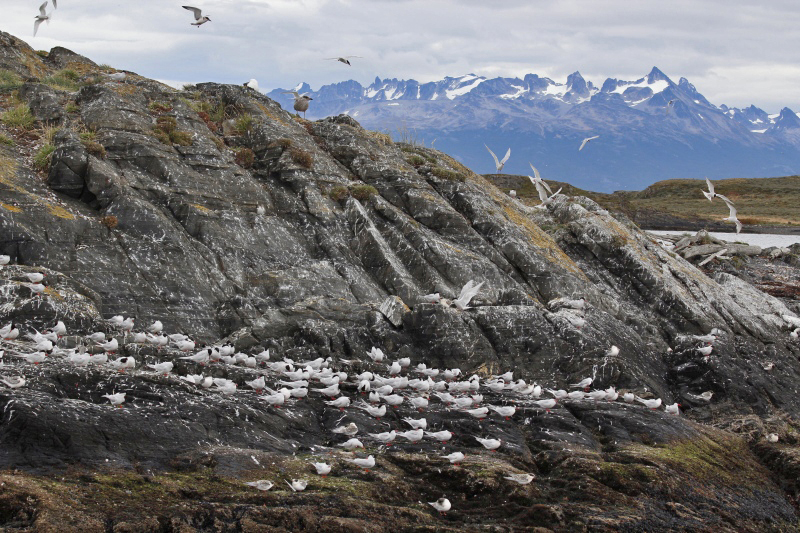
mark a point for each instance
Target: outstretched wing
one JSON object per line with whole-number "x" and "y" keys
{"x": 710, "y": 186}
{"x": 36, "y": 26}
{"x": 198, "y": 13}
{"x": 508, "y": 154}
{"x": 730, "y": 207}
{"x": 42, "y": 11}
{"x": 541, "y": 190}
{"x": 724, "y": 199}
{"x": 496, "y": 162}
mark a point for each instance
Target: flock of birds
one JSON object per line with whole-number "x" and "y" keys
{"x": 710, "y": 195}
{"x": 400, "y": 384}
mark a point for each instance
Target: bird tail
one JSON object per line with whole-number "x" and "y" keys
{"x": 290, "y": 486}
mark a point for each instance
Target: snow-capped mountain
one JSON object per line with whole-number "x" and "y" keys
{"x": 650, "y": 129}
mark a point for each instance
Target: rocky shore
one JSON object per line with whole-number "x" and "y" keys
{"x": 229, "y": 220}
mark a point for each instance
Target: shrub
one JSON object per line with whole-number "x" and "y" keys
{"x": 301, "y": 157}
{"x": 283, "y": 143}
{"x": 339, "y": 193}
{"x": 243, "y": 124}
{"x": 8, "y": 141}
{"x": 209, "y": 123}
{"x": 363, "y": 192}
{"x": 95, "y": 148}
{"x": 220, "y": 144}
{"x": 167, "y": 124}
{"x": 245, "y": 157}
{"x": 72, "y": 107}
{"x": 450, "y": 175}
{"x": 415, "y": 160}
{"x": 162, "y": 136}
{"x": 19, "y": 117}
{"x": 181, "y": 138}
{"x": 160, "y": 107}
{"x": 9, "y": 80}
{"x": 43, "y": 156}
{"x": 109, "y": 221}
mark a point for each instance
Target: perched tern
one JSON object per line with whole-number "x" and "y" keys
{"x": 442, "y": 505}
{"x": 298, "y": 485}
{"x": 116, "y": 399}
{"x": 489, "y": 444}
{"x": 261, "y": 484}
{"x": 522, "y": 479}
{"x": 455, "y": 458}
{"x": 323, "y": 469}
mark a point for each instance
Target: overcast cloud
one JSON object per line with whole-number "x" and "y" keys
{"x": 734, "y": 51}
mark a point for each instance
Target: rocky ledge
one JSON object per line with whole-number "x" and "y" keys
{"x": 229, "y": 220}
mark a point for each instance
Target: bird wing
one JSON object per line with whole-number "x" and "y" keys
{"x": 55, "y": 4}
{"x": 583, "y": 144}
{"x": 198, "y": 13}
{"x": 541, "y": 190}
{"x": 42, "y": 10}
{"x": 724, "y": 198}
{"x": 36, "y": 27}
{"x": 731, "y": 208}
{"x": 738, "y": 226}
{"x": 710, "y": 187}
{"x": 295, "y": 93}
{"x": 496, "y": 161}
{"x": 505, "y": 158}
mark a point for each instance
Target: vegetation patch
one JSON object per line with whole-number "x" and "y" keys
{"x": 245, "y": 157}
{"x": 9, "y": 80}
{"x": 301, "y": 157}
{"x": 415, "y": 160}
{"x": 363, "y": 192}
{"x": 43, "y": 157}
{"x": 72, "y": 107}
{"x": 95, "y": 148}
{"x": 243, "y": 124}
{"x": 60, "y": 212}
{"x": 282, "y": 143}
{"x": 167, "y": 132}
{"x": 159, "y": 107}
{"x": 384, "y": 139}
{"x": 210, "y": 124}
{"x": 8, "y": 141}
{"x": 19, "y": 117}
{"x": 450, "y": 175}
{"x": 65, "y": 80}
{"x": 339, "y": 193}
{"x": 109, "y": 221}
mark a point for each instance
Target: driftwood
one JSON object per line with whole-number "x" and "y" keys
{"x": 732, "y": 249}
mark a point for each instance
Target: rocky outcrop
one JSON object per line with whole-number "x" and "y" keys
{"x": 218, "y": 213}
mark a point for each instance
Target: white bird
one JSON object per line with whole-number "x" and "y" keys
{"x": 442, "y": 436}
{"x": 116, "y": 321}
{"x": 118, "y": 77}
{"x": 80, "y": 359}
{"x": 44, "y": 345}
{"x": 123, "y": 363}
{"x": 116, "y": 399}
{"x": 576, "y": 395}
{"x": 162, "y": 368}
{"x": 512, "y": 193}
{"x": 628, "y": 397}
{"x": 13, "y": 383}
{"x": 650, "y": 404}
{"x": 97, "y": 337}
{"x": 395, "y": 368}
{"x": 538, "y": 178}
{"x": 506, "y": 411}
{"x": 546, "y": 404}
{"x": 298, "y": 393}
{"x": 433, "y": 298}
{"x": 489, "y": 444}
{"x": 522, "y": 479}
{"x": 276, "y": 399}
{"x": 225, "y": 386}
{"x": 185, "y": 345}
{"x": 586, "y": 141}
{"x": 793, "y": 321}
{"x": 394, "y": 400}
{"x": 772, "y": 437}
{"x": 544, "y": 197}
{"x": 41, "y": 17}
{"x": 156, "y": 327}
{"x": 418, "y": 402}
{"x": 442, "y": 505}
{"x": 331, "y": 391}
{"x": 468, "y": 292}
{"x": 479, "y": 413}
{"x": 4, "y": 260}
{"x": 99, "y": 359}
{"x": 596, "y": 395}
{"x": 559, "y": 394}
{"x": 253, "y": 84}
{"x": 377, "y": 412}
{"x": 343, "y": 59}
{"x": 455, "y": 458}
{"x": 705, "y": 350}
{"x": 583, "y": 384}
{"x": 261, "y": 484}
{"x": 258, "y": 384}
{"x": 711, "y": 194}
{"x": 262, "y": 357}
{"x": 349, "y": 430}
{"x": 386, "y": 438}
{"x": 501, "y": 163}
{"x": 351, "y": 444}
{"x": 611, "y": 394}
{"x": 110, "y": 346}
{"x": 37, "y": 288}
{"x": 198, "y": 16}
{"x": 35, "y": 358}
{"x": 140, "y": 337}
{"x": 732, "y": 215}
{"x": 298, "y": 485}
{"x": 422, "y": 423}
{"x": 341, "y": 402}
{"x": 673, "y": 409}
{"x": 413, "y": 435}
{"x": 376, "y": 354}
{"x": 200, "y": 357}
{"x": 60, "y": 329}
{"x": 366, "y": 464}
{"x": 301, "y": 101}
{"x": 323, "y": 469}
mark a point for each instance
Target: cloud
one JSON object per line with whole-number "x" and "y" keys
{"x": 734, "y": 51}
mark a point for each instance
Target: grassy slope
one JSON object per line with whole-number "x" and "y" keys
{"x": 766, "y": 201}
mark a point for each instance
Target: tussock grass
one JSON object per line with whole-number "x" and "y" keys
{"x": 19, "y": 117}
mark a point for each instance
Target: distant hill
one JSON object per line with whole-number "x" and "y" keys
{"x": 764, "y": 204}
{"x": 643, "y": 138}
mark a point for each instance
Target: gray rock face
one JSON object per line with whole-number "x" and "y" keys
{"x": 323, "y": 246}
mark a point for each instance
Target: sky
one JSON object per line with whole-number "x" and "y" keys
{"x": 736, "y": 52}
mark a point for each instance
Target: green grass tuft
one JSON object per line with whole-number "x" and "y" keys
{"x": 9, "y": 81}
{"x": 243, "y": 124}
{"x": 363, "y": 192}
{"x": 65, "y": 80}
{"x": 42, "y": 158}
{"x": 19, "y": 117}
{"x": 8, "y": 141}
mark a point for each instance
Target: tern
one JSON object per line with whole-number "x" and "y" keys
{"x": 441, "y": 436}
{"x": 261, "y": 484}
{"x": 732, "y": 216}
{"x": 546, "y": 404}
{"x": 650, "y": 404}
{"x": 522, "y": 479}
{"x": 41, "y": 17}
{"x": 344, "y": 59}
{"x": 298, "y": 485}
{"x": 583, "y": 384}
{"x": 479, "y": 413}
{"x": 628, "y": 397}
{"x": 35, "y": 358}
{"x": 351, "y": 444}
{"x": 538, "y": 179}
{"x": 323, "y": 469}
{"x": 505, "y": 411}
{"x": 155, "y": 328}
{"x": 772, "y": 437}
{"x": 253, "y": 84}
{"x": 13, "y": 383}
{"x": 116, "y": 399}
{"x": 673, "y": 409}
{"x": 413, "y": 435}
{"x": 499, "y": 164}
{"x": 301, "y": 101}
{"x": 198, "y": 16}
{"x": 586, "y": 141}
{"x": 387, "y": 437}
{"x": 162, "y": 368}
{"x": 340, "y": 402}
{"x": 34, "y": 277}
{"x": 543, "y": 196}
{"x": 455, "y": 458}
{"x": 490, "y": 444}
{"x": 433, "y": 298}
{"x": 366, "y": 464}
{"x": 442, "y": 505}
{"x": 711, "y": 194}
{"x": 468, "y": 292}
{"x": 349, "y": 430}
